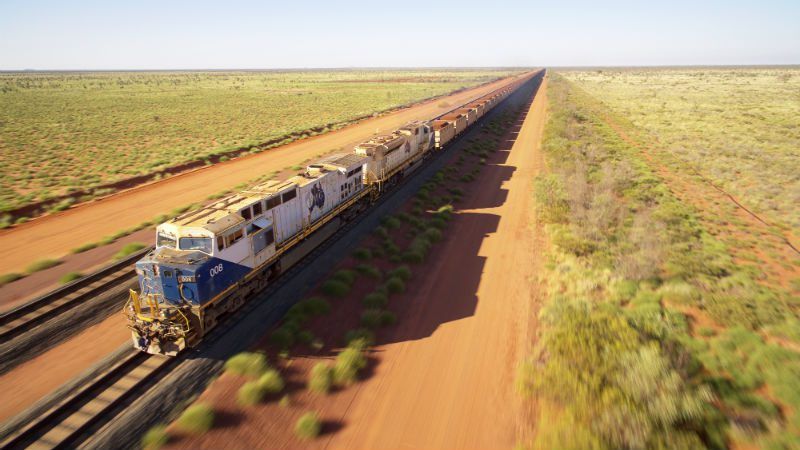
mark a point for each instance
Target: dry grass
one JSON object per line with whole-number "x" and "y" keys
{"x": 62, "y": 132}
{"x": 739, "y": 127}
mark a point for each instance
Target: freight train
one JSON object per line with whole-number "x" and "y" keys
{"x": 208, "y": 261}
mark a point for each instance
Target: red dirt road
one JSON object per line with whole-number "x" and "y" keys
{"x": 454, "y": 387}
{"x": 53, "y": 236}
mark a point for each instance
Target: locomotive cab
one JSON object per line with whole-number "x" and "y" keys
{"x": 190, "y": 266}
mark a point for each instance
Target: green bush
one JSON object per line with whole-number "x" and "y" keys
{"x": 433, "y": 234}
{"x": 388, "y": 318}
{"x": 346, "y": 276}
{"x": 155, "y": 438}
{"x": 271, "y": 382}
{"x": 308, "y": 426}
{"x": 251, "y": 393}
{"x": 401, "y": 272}
{"x": 371, "y": 318}
{"x": 361, "y": 335}
{"x": 369, "y": 271}
{"x": 335, "y": 288}
{"x": 247, "y": 364}
{"x": 70, "y": 277}
{"x": 42, "y": 264}
{"x": 349, "y": 362}
{"x": 9, "y": 278}
{"x": 315, "y": 306}
{"x": 129, "y": 249}
{"x": 381, "y": 232}
{"x": 375, "y": 300}
{"x": 196, "y": 419}
{"x": 395, "y": 285}
{"x": 362, "y": 253}
{"x": 413, "y": 257}
{"x": 282, "y": 338}
{"x": 321, "y": 378}
{"x": 305, "y": 337}
{"x": 392, "y": 223}
{"x": 84, "y": 247}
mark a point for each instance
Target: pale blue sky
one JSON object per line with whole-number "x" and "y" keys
{"x": 46, "y": 34}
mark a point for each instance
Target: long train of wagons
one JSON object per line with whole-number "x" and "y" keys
{"x": 208, "y": 261}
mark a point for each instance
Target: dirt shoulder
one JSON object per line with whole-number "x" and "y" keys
{"x": 54, "y": 236}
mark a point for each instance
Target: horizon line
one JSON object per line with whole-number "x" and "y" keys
{"x": 347, "y": 68}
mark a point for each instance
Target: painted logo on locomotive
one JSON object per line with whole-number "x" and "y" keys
{"x": 317, "y": 198}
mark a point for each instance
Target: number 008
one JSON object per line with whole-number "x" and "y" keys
{"x": 215, "y": 270}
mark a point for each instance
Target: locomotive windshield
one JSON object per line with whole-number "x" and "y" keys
{"x": 163, "y": 240}
{"x": 202, "y": 244}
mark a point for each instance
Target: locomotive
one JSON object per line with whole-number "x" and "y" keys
{"x": 208, "y": 261}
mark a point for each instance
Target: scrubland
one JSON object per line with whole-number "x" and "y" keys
{"x": 653, "y": 335}
{"x": 64, "y": 132}
{"x": 738, "y": 127}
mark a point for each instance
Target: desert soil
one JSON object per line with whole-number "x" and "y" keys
{"x": 443, "y": 376}
{"x": 55, "y": 235}
{"x": 32, "y": 380}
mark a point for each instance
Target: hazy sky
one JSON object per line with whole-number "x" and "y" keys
{"x": 45, "y": 34}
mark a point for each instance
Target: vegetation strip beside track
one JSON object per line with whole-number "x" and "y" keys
{"x": 237, "y": 333}
{"x": 654, "y": 337}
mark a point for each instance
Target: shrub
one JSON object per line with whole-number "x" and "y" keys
{"x": 251, "y": 393}
{"x": 395, "y": 285}
{"x": 388, "y": 318}
{"x": 335, "y": 288}
{"x": 70, "y": 277}
{"x": 129, "y": 249}
{"x": 361, "y": 335}
{"x": 371, "y": 318}
{"x": 321, "y": 378}
{"x": 10, "y": 277}
{"x": 196, "y": 419}
{"x": 271, "y": 382}
{"x": 315, "y": 306}
{"x": 42, "y": 264}
{"x": 413, "y": 257}
{"x": 308, "y": 426}
{"x": 247, "y": 364}
{"x": 369, "y": 271}
{"x": 349, "y": 362}
{"x": 346, "y": 276}
{"x": 84, "y": 247}
{"x": 433, "y": 234}
{"x": 375, "y": 300}
{"x": 381, "y": 232}
{"x": 445, "y": 212}
{"x": 392, "y": 223}
{"x": 155, "y": 438}
{"x": 401, "y": 272}
{"x": 282, "y": 338}
{"x": 305, "y": 337}
{"x": 362, "y": 253}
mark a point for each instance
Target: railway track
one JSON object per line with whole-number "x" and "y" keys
{"x": 39, "y": 310}
{"x": 67, "y": 422}
{"x": 42, "y": 323}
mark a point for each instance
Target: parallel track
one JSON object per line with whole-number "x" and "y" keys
{"x": 66, "y": 423}
{"x": 23, "y": 318}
